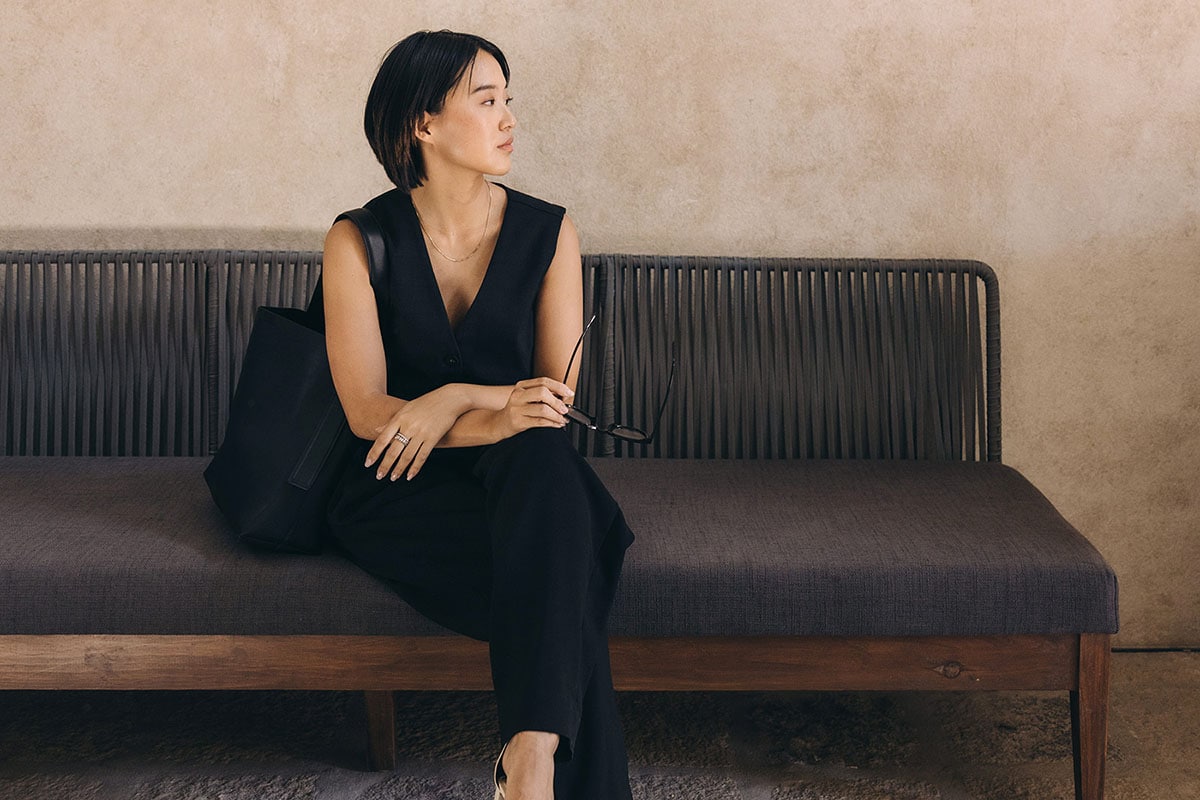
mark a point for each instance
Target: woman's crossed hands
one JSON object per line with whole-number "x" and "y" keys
{"x": 425, "y": 420}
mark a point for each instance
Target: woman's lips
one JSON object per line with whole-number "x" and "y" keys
{"x": 507, "y": 146}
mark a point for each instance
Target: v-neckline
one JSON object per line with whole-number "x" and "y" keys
{"x": 433, "y": 281}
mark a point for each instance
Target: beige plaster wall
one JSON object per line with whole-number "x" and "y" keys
{"x": 1056, "y": 141}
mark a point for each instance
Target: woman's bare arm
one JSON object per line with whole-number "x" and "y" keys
{"x": 560, "y": 310}
{"x": 352, "y": 338}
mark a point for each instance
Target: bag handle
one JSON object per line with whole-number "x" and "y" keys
{"x": 372, "y": 234}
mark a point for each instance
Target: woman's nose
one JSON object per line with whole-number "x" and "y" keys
{"x": 509, "y": 122}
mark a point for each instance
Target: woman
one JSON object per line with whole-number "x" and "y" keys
{"x": 473, "y": 504}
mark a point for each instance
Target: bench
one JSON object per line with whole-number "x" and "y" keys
{"x": 824, "y": 509}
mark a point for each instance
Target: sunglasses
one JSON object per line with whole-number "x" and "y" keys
{"x": 626, "y": 433}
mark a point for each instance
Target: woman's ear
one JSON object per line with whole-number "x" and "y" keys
{"x": 423, "y": 126}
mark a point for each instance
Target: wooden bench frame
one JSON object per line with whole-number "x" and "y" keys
{"x": 380, "y": 665}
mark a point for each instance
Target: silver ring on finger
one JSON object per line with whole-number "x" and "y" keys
{"x": 400, "y": 437}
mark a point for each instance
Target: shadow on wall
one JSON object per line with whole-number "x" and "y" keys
{"x": 161, "y": 239}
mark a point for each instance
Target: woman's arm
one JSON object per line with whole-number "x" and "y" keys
{"x": 352, "y": 338}
{"x": 560, "y": 310}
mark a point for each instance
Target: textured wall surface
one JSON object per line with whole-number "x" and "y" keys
{"x": 1056, "y": 141}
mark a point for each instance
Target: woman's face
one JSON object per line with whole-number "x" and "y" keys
{"x": 474, "y": 128}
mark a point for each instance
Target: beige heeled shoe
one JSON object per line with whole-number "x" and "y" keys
{"x": 498, "y": 776}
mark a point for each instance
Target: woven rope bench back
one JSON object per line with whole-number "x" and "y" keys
{"x": 138, "y": 352}
{"x": 805, "y": 358}
{"x": 103, "y": 352}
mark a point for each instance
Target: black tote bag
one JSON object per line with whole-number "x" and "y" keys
{"x": 287, "y": 438}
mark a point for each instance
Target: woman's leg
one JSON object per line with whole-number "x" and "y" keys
{"x": 558, "y": 545}
{"x": 518, "y": 544}
{"x": 427, "y": 539}
{"x": 600, "y": 765}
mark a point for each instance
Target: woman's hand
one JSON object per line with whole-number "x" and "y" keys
{"x": 534, "y": 403}
{"x": 424, "y": 421}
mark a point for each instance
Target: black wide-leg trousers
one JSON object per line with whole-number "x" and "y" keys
{"x": 518, "y": 544}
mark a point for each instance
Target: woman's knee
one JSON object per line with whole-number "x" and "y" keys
{"x": 543, "y": 438}
{"x": 534, "y": 449}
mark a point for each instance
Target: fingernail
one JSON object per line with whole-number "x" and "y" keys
{"x": 367, "y": 463}
{"x": 395, "y": 476}
{"x": 409, "y": 478}
{"x": 378, "y": 475}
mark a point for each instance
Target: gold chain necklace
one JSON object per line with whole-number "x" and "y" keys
{"x": 486, "y": 220}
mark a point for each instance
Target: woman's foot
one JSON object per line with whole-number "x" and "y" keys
{"x": 527, "y": 766}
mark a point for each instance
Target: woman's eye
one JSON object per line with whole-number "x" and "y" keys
{"x": 507, "y": 100}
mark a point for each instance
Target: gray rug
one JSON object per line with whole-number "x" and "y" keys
{"x": 232, "y": 745}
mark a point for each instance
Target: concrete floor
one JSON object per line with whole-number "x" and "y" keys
{"x": 741, "y": 745}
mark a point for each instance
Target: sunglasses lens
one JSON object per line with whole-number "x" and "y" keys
{"x": 583, "y": 417}
{"x": 628, "y": 434}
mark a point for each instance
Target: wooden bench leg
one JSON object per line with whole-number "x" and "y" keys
{"x": 1089, "y": 715}
{"x": 381, "y": 730}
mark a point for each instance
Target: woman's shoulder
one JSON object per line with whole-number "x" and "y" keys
{"x": 383, "y": 206}
{"x": 388, "y": 202}
{"x": 535, "y": 205}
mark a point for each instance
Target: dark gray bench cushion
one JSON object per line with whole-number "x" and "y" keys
{"x": 850, "y": 547}
{"x": 134, "y": 545}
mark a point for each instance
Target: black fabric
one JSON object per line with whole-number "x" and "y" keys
{"x": 287, "y": 436}
{"x": 493, "y": 343}
{"x": 517, "y": 543}
{"x": 237, "y": 284}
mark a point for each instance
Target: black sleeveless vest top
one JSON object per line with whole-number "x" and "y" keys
{"x": 494, "y": 341}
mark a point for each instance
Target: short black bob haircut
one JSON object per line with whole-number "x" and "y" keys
{"x": 415, "y": 77}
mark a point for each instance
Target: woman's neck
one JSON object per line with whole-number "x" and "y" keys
{"x": 452, "y": 205}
